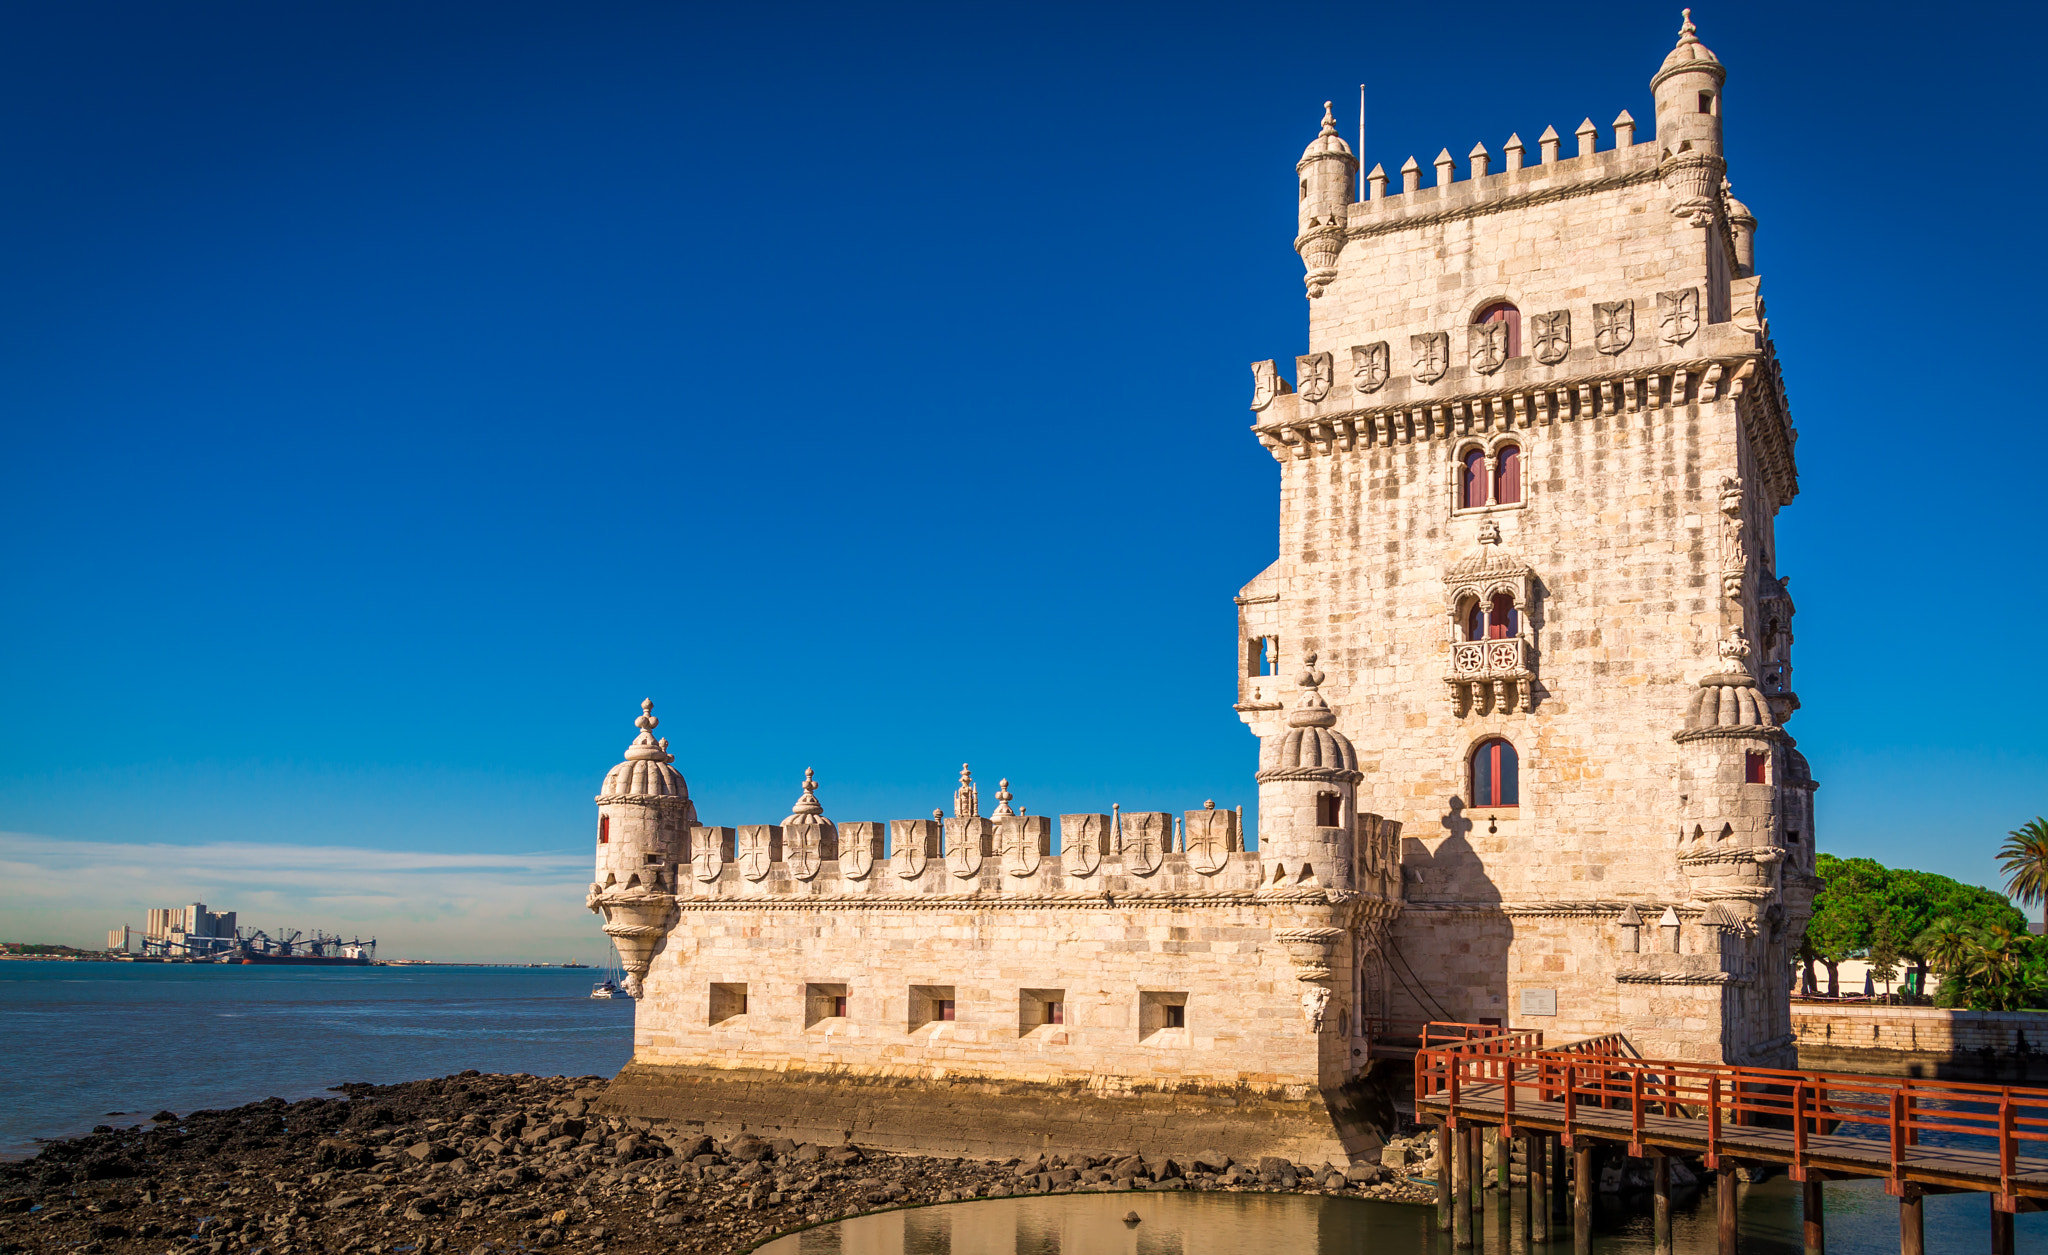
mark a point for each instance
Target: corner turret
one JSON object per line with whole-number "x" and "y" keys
{"x": 1688, "y": 92}
{"x": 643, "y": 810}
{"x": 1325, "y": 170}
{"x": 1308, "y": 795}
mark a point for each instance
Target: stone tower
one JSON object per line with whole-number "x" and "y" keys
{"x": 1530, "y": 468}
{"x": 643, "y": 810}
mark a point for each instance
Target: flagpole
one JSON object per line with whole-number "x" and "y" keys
{"x": 1361, "y": 141}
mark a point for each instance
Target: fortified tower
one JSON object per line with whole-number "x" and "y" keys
{"x": 1530, "y": 467}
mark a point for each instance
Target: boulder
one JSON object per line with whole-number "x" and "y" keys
{"x": 1211, "y": 1161}
{"x": 745, "y": 1149}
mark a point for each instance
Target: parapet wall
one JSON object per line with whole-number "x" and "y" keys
{"x": 1922, "y": 1041}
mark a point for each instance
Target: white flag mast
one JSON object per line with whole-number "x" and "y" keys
{"x": 1360, "y": 154}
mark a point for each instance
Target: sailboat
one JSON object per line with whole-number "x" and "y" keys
{"x": 614, "y": 983}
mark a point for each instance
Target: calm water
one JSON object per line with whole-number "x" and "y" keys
{"x": 83, "y": 1040}
{"x": 1860, "y": 1219}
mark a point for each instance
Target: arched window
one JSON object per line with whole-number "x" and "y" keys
{"x": 1501, "y": 311}
{"x": 1494, "y": 772}
{"x": 1507, "y": 475}
{"x": 1472, "y": 486}
{"x": 1475, "y": 622}
{"x": 1500, "y": 618}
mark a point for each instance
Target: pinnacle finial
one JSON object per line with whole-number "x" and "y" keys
{"x": 1687, "y": 28}
{"x": 1002, "y": 809}
{"x": 1313, "y": 712}
{"x": 1329, "y": 120}
{"x": 808, "y": 805}
{"x": 647, "y": 722}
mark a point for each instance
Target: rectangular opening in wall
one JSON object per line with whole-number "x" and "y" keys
{"x": 1329, "y": 810}
{"x": 1756, "y": 767}
{"x": 1038, "y": 1008}
{"x": 1163, "y": 1016}
{"x": 728, "y": 1002}
{"x": 824, "y": 1002}
{"x": 930, "y": 1004}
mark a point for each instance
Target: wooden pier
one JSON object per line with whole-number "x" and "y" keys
{"x": 1472, "y": 1079}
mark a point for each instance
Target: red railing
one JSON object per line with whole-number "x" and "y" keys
{"x": 1897, "y": 1112}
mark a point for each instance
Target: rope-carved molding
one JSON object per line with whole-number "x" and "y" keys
{"x": 1033, "y": 902}
{"x": 1491, "y": 205}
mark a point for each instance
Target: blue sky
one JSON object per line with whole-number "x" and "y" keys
{"x": 394, "y": 394}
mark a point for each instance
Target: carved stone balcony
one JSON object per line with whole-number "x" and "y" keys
{"x": 1489, "y": 674}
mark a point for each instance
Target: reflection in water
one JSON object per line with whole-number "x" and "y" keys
{"x": 1860, "y": 1218}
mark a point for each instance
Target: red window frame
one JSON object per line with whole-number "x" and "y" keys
{"x": 1756, "y": 767}
{"x": 1500, "y": 618}
{"x": 1472, "y": 491}
{"x": 1507, "y": 475}
{"x": 604, "y": 829}
{"x": 1496, "y": 776}
{"x": 839, "y": 1005}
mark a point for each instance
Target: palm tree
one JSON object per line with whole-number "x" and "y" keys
{"x": 2024, "y": 860}
{"x": 1945, "y": 944}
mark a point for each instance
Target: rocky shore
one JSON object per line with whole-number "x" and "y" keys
{"x": 472, "y": 1164}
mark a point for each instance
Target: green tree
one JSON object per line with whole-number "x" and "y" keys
{"x": 1845, "y": 911}
{"x": 2024, "y": 860}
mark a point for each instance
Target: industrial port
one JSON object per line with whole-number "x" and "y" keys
{"x": 194, "y": 934}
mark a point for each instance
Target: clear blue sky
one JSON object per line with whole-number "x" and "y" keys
{"x": 394, "y": 394}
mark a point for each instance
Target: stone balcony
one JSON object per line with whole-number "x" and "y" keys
{"x": 1490, "y": 674}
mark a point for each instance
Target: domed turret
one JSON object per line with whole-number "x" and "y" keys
{"x": 1742, "y": 225}
{"x": 1688, "y": 93}
{"x": 643, "y": 811}
{"x": 1308, "y": 794}
{"x": 1325, "y": 172}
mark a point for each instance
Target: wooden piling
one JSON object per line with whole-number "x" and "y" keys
{"x": 1461, "y": 1187}
{"x": 1912, "y": 1227}
{"x": 1560, "y": 1197}
{"x": 1582, "y": 1196}
{"x": 1660, "y": 1219}
{"x": 1443, "y": 1177}
{"x": 1539, "y": 1188}
{"x": 1813, "y": 1220}
{"x": 1504, "y": 1154}
{"x": 2001, "y": 1230}
{"x": 1724, "y": 1205}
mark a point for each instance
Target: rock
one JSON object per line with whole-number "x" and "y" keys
{"x": 334, "y": 1153}
{"x": 1161, "y": 1167}
{"x": 781, "y": 1146}
{"x": 1274, "y": 1165}
{"x": 843, "y": 1155}
{"x": 688, "y": 1148}
{"x": 627, "y": 1148}
{"x": 1211, "y": 1161}
{"x": 808, "y": 1152}
{"x": 1394, "y": 1155}
{"x": 745, "y": 1149}
{"x": 1366, "y": 1174}
{"x": 165, "y": 1117}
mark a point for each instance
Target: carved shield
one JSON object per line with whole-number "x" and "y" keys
{"x": 1022, "y": 842}
{"x": 760, "y": 848}
{"x": 967, "y": 845}
{"x": 1678, "y": 315}
{"x": 1211, "y": 837}
{"x": 912, "y": 840}
{"x": 1489, "y": 344}
{"x": 1084, "y": 839}
{"x": 859, "y": 843}
{"x": 1369, "y": 366}
{"x": 1266, "y": 384}
{"x": 709, "y": 848}
{"x": 1553, "y": 335}
{"x": 1614, "y": 326}
{"x": 1146, "y": 838}
{"x": 803, "y": 847}
{"x": 1432, "y": 355}
{"x": 1314, "y": 374}
{"x": 1367, "y": 843}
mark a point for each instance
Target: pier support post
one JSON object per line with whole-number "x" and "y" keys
{"x": 1504, "y": 1155}
{"x": 1813, "y": 1218}
{"x": 1461, "y": 1186}
{"x": 2001, "y": 1230}
{"x": 1582, "y": 1196}
{"x": 1660, "y": 1216}
{"x": 1475, "y": 1184}
{"x": 1724, "y": 1205}
{"x": 1539, "y": 1187}
{"x": 1443, "y": 1177}
{"x": 1912, "y": 1229}
{"x": 1560, "y": 1198}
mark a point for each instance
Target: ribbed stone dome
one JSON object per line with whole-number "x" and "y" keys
{"x": 1327, "y": 141}
{"x": 647, "y": 771}
{"x": 1689, "y": 54}
{"x": 1727, "y": 701}
{"x": 1312, "y": 742}
{"x": 808, "y": 809}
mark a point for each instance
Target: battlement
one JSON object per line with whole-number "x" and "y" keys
{"x": 1519, "y": 183}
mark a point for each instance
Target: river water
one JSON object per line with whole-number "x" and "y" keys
{"x": 83, "y": 1041}
{"x": 93, "y": 1043}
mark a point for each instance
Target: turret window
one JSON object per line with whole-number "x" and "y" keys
{"x": 1262, "y": 657}
{"x": 604, "y": 829}
{"x": 1329, "y": 810}
{"x": 1756, "y": 768}
{"x": 1495, "y": 769}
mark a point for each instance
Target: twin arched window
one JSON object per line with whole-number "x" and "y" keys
{"x": 1492, "y": 621}
{"x": 1503, "y": 486}
{"x": 1495, "y": 769}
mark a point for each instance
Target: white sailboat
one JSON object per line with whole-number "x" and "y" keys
{"x": 614, "y": 983}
